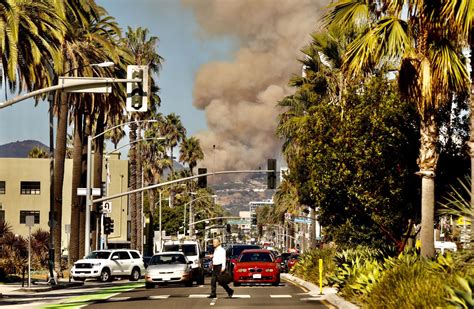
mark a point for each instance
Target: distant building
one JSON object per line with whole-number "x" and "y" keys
{"x": 24, "y": 191}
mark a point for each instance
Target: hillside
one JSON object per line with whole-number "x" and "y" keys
{"x": 19, "y": 149}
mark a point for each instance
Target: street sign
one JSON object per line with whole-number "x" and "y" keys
{"x": 73, "y": 84}
{"x": 107, "y": 207}
{"x": 83, "y": 191}
{"x": 30, "y": 221}
{"x": 303, "y": 220}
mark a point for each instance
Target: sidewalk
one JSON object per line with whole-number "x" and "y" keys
{"x": 40, "y": 286}
{"x": 329, "y": 294}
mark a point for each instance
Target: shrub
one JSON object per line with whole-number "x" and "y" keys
{"x": 462, "y": 296}
{"x": 307, "y": 267}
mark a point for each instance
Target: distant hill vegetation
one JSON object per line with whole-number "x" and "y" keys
{"x": 20, "y": 149}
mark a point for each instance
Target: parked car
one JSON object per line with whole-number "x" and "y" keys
{"x": 169, "y": 267}
{"x": 192, "y": 250}
{"x": 256, "y": 266}
{"x": 104, "y": 265}
{"x": 234, "y": 251}
{"x": 292, "y": 260}
{"x": 282, "y": 260}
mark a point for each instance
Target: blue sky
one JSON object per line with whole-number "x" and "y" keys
{"x": 183, "y": 49}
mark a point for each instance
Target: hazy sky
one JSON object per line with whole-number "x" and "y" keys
{"x": 183, "y": 49}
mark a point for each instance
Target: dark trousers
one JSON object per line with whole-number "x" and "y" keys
{"x": 216, "y": 270}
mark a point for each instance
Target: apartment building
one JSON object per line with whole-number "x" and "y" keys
{"x": 25, "y": 187}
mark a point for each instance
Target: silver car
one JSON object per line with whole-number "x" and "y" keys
{"x": 168, "y": 267}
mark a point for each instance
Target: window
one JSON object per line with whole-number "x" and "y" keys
{"x": 134, "y": 254}
{"x": 186, "y": 249}
{"x": 2, "y": 187}
{"x": 24, "y": 213}
{"x": 30, "y": 187}
{"x": 123, "y": 255}
{"x": 2, "y": 215}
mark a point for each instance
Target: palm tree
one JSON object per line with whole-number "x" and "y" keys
{"x": 190, "y": 152}
{"x": 143, "y": 51}
{"x": 174, "y": 131}
{"x": 428, "y": 58}
{"x": 38, "y": 152}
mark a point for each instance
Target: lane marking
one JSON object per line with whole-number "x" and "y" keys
{"x": 158, "y": 297}
{"x": 310, "y": 299}
{"x": 118, "y": 298}
{"x": 281, "y": 296}
{"x": 241, "y": 296}
{"x": 198, "y": 295}
{"x": 328, "y": 304}
{"x": 200, "y": 286}
{"x": 213, "y": 302}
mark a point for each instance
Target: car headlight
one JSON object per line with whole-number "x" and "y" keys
{"x": 242, "y": 270}
{"x": 269, "y": 270}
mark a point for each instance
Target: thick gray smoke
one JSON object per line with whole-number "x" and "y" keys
{"x": 239, "y": 97}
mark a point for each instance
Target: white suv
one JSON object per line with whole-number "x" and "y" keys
{"x": 104, "y": 265}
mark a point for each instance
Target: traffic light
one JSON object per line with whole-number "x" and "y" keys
{"x": 202, "y": 180}
{"x": 137, "y": 96}
{"x": 271, "y": 175}
{"x": 108, "y": 225}
{"x": 254, "y": 219}
{"x": 100, "y": 208}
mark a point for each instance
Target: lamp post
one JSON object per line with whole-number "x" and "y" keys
{"x": 89, "y": 178}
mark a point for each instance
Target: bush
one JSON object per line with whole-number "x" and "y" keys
{"x": 307, "y": 267}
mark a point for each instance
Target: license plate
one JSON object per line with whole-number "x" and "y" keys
{"x": 257, "y": 276}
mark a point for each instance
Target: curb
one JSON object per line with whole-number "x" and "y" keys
{"x": 51, "y": 288}
{"x": 329, "y": 294}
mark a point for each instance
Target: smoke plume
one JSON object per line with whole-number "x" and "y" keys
{"x": 239, "y": 97}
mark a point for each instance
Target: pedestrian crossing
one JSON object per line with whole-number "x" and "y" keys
{"x": 235, "y": 296}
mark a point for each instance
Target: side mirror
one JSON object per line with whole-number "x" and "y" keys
{"x": 190, "y": 262}
{"x": 114, "y": 257}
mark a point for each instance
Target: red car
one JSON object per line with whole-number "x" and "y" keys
{"x": 294, "y": 258}
{"x": 256, "y": 266}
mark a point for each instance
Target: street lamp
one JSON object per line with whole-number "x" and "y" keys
{"x": 89, "y": 179}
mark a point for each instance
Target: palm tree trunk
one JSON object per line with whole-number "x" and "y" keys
{"x": 133, "y": 186}
{"x": 471, "y": 138}
{"x": 82, "y": 213}
{"x": 139, "y": 176}
{"x": 151, "y": 215}
{"x": 59, "y": 159}
{"x": 98, "y": 158}
{"x": 171, "y": 160}
{"x": 313, "y": 227}
{"x": 76, "y": 181}
{"x": 427, "y": 162}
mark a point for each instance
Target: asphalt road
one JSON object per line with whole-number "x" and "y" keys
{"x": 286, "y": 295}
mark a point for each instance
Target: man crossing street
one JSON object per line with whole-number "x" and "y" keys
{"x": 218, "y": 268}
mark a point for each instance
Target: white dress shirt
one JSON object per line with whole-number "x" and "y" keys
{"x": 219, "y": 257}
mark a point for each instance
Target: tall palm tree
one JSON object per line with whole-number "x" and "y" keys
{"x": 174, "y": 131}
{"x": 190, "y": 152}
{"x": 428, "y": 58}
{"x": 143, "y": 49}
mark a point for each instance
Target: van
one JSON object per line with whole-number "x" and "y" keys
{"x": 192, "y": 250}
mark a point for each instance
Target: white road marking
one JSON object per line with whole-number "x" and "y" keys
{"x": 198, "y": 295}
{"x": 213, "y": 302}
{"x": 281, "y": 296}
{"x": 200, "y": 286}
{"x": 118, "y": 299}
{"x": 240, "y": 296}
{"x": 310, "y": 299}
{"x": 158, "y": 297}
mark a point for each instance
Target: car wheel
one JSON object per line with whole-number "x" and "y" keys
{"x": 236, "y": 283}
{"x": 135, "y": 274}
{"x": 79, "y": 279}
{"x": 189, "y": 283}
{"x": 105, "y": 275}
{"x": 149, "y": 285}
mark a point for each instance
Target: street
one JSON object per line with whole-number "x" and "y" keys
{"x": 124, "y": 294}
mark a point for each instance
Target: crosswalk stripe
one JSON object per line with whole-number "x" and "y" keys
{"x": 118, "y": 298}
{"x": 158, "y": 297}
{"x": 241, "y": 296}
{"x": 310, "y": 299}
{"x": 198, "y": 295}
{"x": 281, "y": 296}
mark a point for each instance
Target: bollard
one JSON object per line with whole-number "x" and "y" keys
{"x": 320, "y": 276}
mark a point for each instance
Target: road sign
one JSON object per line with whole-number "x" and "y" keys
{"x": 303, "y": 220}
{"x": 107, "y": 207}
{"x": 83, "y": 191}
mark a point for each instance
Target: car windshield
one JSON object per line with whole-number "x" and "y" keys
{"x": 236, "y": 251}
{"x": 98, "y": 255}
{"x": 167, "y": 259}
{"x": 256, "y": 257}
{"x": 188, "y": 250}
